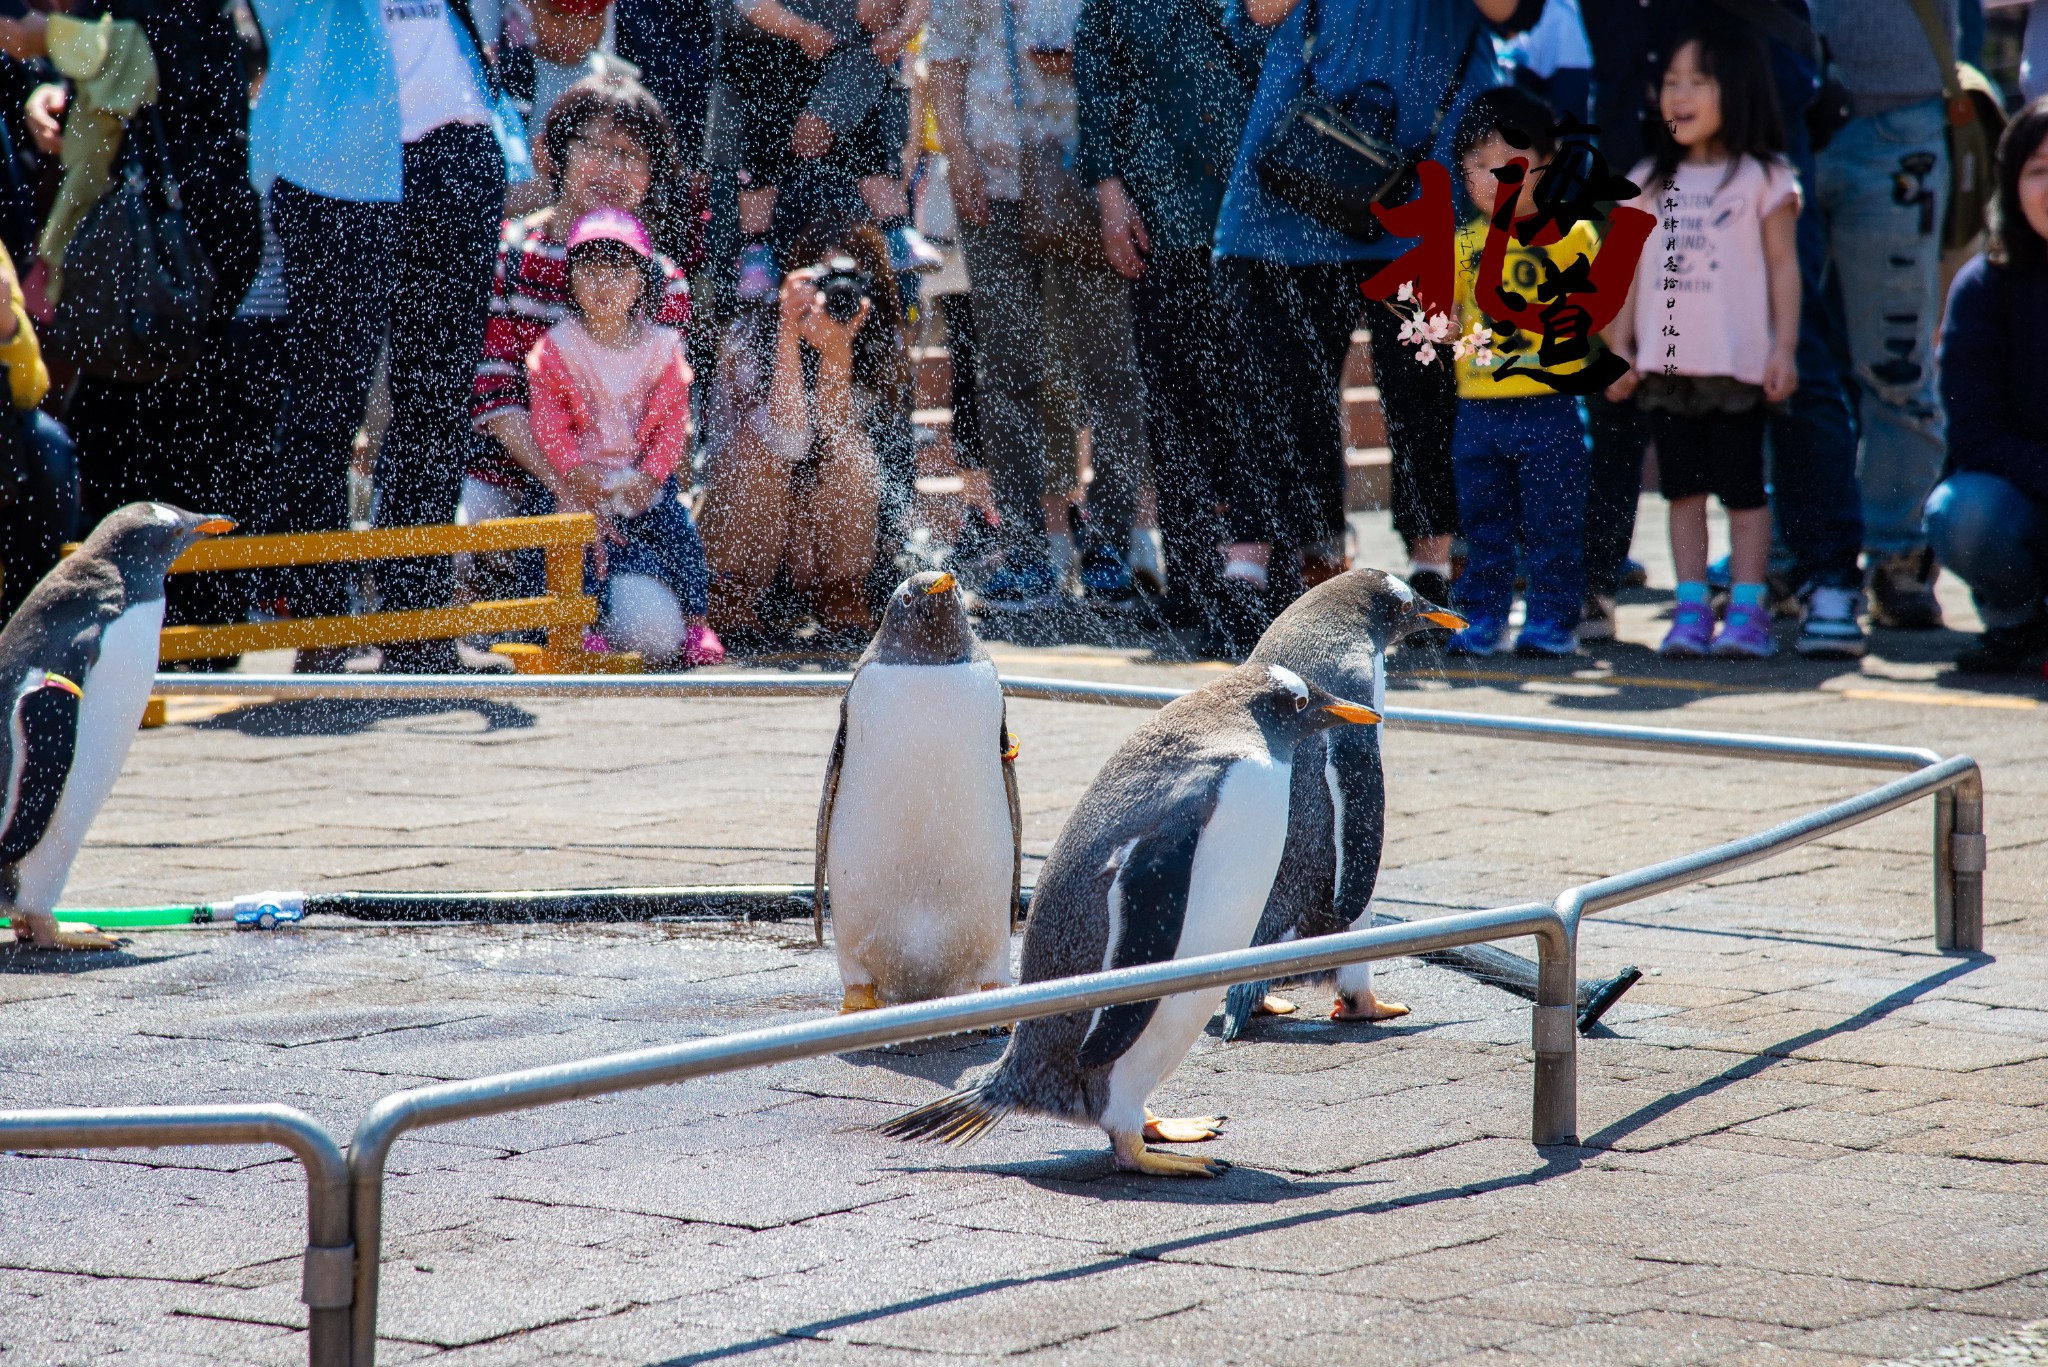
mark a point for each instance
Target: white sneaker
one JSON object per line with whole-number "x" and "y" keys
{"x": 1829, "y": 630}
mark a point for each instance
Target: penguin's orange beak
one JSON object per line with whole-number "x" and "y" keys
{"x": 1352, "y": 712}
{"x": 940, "y": 585}
{"x": 1445, "y": 618}
{"x": 215, "y": 526}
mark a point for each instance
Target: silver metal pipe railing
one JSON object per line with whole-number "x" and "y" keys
{"x": 327, "y": 1282}
{"x": 442, "y": 1103}
{"x": 343, "y": 1323}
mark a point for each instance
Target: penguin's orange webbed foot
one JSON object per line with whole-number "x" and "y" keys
{"x": 1272, "y": 1005}
{"x": 860, "y": 997}
{"x": 1184, "y": 1130}
{"x": 67, "y": 935}
{"x": 1133, "y": 1156}
{"x": 1371, "y": 1009}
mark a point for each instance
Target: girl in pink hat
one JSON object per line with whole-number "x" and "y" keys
{"x": 609, "y": 397}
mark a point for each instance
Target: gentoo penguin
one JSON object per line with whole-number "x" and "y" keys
{"x": 1170, "y": 854}
{"x": 76, "y": 663}
{"x": 1336, "y": 636}
{"x": 920, "y": 839}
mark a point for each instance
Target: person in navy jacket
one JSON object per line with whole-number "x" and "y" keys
{"x": 1988, "y": 518}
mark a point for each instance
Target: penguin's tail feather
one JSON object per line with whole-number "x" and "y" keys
{"x": 957, "y": 1119}
{"x": 1238, "y": 1007}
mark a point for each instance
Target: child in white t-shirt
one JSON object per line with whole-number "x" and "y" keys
{"x": 1712, "y": 322}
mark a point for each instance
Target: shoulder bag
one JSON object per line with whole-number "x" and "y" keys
{"x": 1331, "y": 159}
{"x": 1975, "y": 122}
{"x": 138, "y": 289}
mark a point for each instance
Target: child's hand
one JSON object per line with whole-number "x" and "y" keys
{"x": 888, "y": 45}
{"x": 1621, "y": 389}
{"x": 811, "y": 137}
{"x": 1781, "y": 374}
{"x": 579, "y": 490}
{"x": 638, "y": 493}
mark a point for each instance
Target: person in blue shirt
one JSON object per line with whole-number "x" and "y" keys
{"x": 1164, "y": 87}
{"x": 1988, "y": 518}
{"x": 1290, "y": 287}
{"x": 374, "y": 136}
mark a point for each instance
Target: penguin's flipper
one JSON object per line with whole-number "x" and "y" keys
{"x": 42, "y": 735}
{"x": 825, "y": 802}
{"x": 1008, "y": 744}
{"x": 1148, "y": 900}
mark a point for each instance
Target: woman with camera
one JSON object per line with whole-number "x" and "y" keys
{"x": 811, "y": 397}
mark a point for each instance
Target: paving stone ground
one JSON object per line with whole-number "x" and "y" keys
{"x": 1808, "y": 1138}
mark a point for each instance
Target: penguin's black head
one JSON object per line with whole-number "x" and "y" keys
{"x": 1383, "y": 607}
{"x": 142, "y": 539}
{"x": 1285, "y": 704}
{"x": 925, "y": 623}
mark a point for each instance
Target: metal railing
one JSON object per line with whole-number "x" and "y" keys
{"x": 348, "y": 1334}
{"x": 326, "y": 1281}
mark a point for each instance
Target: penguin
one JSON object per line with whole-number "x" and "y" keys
{"x": 920, "y": 837}
{"x": 1336, "y": 636}
{"x": 76, "y": 663}
{"x": 1171, "y": 853}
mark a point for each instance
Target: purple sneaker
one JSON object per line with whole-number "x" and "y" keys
{"x": 1746, "y": 634}
{"x": 1692, "y": 627}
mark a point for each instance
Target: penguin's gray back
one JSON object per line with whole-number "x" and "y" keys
{"x": 1202, "y": 762}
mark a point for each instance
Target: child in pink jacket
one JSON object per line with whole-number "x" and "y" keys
{"x": 609, "y": 400}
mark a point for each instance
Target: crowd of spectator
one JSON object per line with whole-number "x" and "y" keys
{"x": 663, "y": 261}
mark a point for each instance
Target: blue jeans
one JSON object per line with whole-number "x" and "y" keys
{"x": 1995, "y": 538}
{"x": 1884, "y": 228}
{"x": 1521, "y": 467}
{"x": 662, "y": 543}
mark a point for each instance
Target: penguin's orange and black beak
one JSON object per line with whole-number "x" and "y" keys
{"x": 215, "y": 526}
{"x": 1352, "y": 712}
{"x": 940, "y": 585}
{"x": 1445, "y": 618}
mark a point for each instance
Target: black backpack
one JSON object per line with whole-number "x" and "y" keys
{"x": 138, "y": 289}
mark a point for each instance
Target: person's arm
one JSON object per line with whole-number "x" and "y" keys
{"x": 888, "y": 44}
{"x": 788, "y": 429}
{"x": 1975, "y": 360}
{"x": 1269, "y": 13}
{"x": 28, "y": 380}
{"x": 512, "y": 429}
{"x": 777, "y": 21}
{"x": 551, "y": 403}
{"x": 1781, "y": 272}
{"x": 963, "y": 168}
{"x": 1620, "y": 337}
{"x": 664, "y": 434}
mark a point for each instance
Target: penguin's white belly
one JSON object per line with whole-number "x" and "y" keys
{"x": 116, "y": 691}
{"x": 919, "y": 862}
{"x": 1235, "y": 863}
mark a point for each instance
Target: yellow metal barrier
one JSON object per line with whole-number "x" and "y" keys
{"x": 563, "y": 612}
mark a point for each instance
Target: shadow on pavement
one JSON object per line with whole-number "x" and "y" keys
{"x": 335, "y": 717}
{"x": 1783, "y": 1049}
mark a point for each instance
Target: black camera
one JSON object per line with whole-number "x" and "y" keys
{"x": 843, "y": 286}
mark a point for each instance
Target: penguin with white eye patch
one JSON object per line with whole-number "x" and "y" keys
{"x": 1336, "y": 636}
{"x": 920, "y": 839}
{"x": 76, "y": 663}
{"x": 1170, "y": 854}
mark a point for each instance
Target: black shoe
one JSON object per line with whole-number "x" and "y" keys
{"x": 1901, "y": 590}
{"x": 2006, "y": 650}
{"x": 1432, "y": 587}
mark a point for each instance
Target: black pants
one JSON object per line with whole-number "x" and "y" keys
{"x": 40, "y": 513}
{"x": 1190, "y": 417}
{"x": 418, "y": 271}
{"x": 1286, "y": 484}
{"x": 1620, "y": 437}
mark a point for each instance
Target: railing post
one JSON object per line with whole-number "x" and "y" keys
{"x": 1959, "y": 858}
{"x": 1554, "y": 1033}
{"x": 564, "y": 581}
